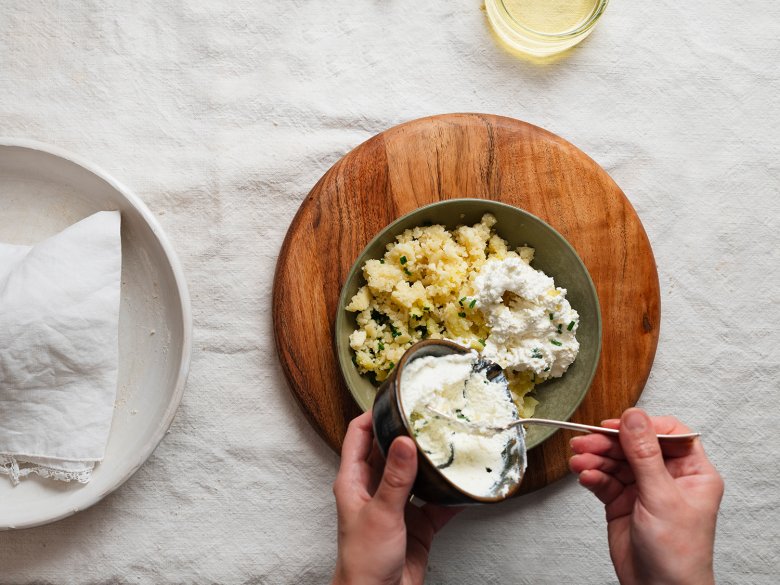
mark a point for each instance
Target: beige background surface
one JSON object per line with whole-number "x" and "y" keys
{"x": 222, "y": 115}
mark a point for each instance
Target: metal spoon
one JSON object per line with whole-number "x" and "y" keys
{"x": 492, "y": 430}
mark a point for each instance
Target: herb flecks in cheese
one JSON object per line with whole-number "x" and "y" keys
{"x": 532, "y": 326}
{"x": 471, "y": 460}
{"x": 435, "y": 283}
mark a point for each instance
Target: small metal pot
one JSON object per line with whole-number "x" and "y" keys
{"x": 390, "y": 422}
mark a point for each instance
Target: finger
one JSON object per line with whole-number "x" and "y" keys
{"x": 605, "y": 487}
{"x": 617, "y": 469}
{"x": 643, "y": 453}
{"x": 695, "y": 464}
{"x": 398, "y": 477}
{"x": 674, "y": 449}
{"x": 605, "y": 445}
{"x": 440, "y": 515}
{"x": 421, "y": 526}
{"x": 609, "y": 446}
{"x": 353, "y": 470}
{"x": 376, "y": 464}
{"x": 357, "y": 442}
{"x": 623, "y": 505}
{"x": 668, "y": 425}
{"x": 663, "y": 425}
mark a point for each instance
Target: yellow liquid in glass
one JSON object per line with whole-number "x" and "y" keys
{"x": 550, "y": 16}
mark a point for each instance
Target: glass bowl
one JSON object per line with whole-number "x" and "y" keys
{"x": 520, "y": 36}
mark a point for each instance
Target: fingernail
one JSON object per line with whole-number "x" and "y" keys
{"x": 635, "y": 421}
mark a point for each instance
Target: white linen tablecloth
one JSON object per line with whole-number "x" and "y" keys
{"x": 222, "y": 115}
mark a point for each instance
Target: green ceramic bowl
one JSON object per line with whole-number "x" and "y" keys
{"x": 558, "y": 398}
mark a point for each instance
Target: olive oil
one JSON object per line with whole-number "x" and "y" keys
{"x": 550, "y": 16}
{"x": 543, "y": 27}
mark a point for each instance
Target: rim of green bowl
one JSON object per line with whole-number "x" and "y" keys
{"x": 345, "y": 361}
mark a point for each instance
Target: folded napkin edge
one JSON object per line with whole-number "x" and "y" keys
{"x": 9, "y": 465}
{"x": 25, "y": 456}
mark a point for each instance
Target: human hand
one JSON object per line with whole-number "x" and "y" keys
{"x": 661, "y": 502}
{"x": 383, "y": 539}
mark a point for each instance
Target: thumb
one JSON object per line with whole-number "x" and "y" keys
{"x": 398, "y": 477}
{"x": 641, "y": 448}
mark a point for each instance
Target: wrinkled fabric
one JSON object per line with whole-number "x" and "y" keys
{"x": 222, "y": 115}
{"x": 59, "y": 321}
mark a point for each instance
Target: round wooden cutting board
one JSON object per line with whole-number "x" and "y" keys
{"x": 447, "y": 157}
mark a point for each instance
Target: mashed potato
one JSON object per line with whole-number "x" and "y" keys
{"x": 423, "y": 288}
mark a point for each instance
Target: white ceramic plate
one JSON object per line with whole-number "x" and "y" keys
{"x": 42, "y": 191}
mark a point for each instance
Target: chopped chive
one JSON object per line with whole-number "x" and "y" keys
{"x": 482, "y": 341}
{"x": 381, "y": 260}
{"x": 393, "y": 331}
{"x": 551, "y": 316}
{"x": 536, "y": 353}
{"x": 460, "y": 415}
{"x": 460, "y": 302}
{"x": 381, "y": 346}
{"x": 555, "y": 342}
{"x": 406, "y": 271}
{"x": 547, "y": 369}
{"x": 390, "y": 366}
{"x": 472, "y": 303}
{"x": 559, "y": 328}
{"x": 571, "y": 326}
{"x": 461, "y": 314}
{"x": 403, "y": 259}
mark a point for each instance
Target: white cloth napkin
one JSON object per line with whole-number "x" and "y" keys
{"x": 59, "y": 319}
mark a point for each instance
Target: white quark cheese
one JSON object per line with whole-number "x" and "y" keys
{"x": 471, "y": 460}
{"x": 532, "y": 325}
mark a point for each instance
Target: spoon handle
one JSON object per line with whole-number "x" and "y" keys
{"x": 594, "y": 429}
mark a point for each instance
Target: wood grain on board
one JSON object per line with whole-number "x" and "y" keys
{"x": 448, "y": 157}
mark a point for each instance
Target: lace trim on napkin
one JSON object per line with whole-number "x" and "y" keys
{"x": 10, "y": 466}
